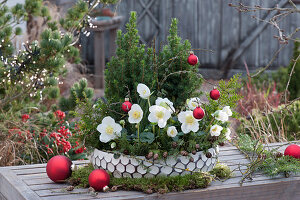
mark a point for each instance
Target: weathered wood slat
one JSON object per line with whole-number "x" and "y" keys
{"x": 13, "y": 188}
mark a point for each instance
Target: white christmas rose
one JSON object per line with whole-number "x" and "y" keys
{"x": 188, "y": 122}
{"x": 221, "y": 116}
{"x": 143, "y": 91}
{"x": 227, "y": 110}
{"x": 172, "y": 131}
{"x": 109, "y": 129}
{"x": 166, "y": 103}
{"x": 227, "y": 133}
{"x": 135, "y": 114}
{"x": 193, "y": 103}
{"x": 215, "y": 130}
{"x": 159, "y": 115}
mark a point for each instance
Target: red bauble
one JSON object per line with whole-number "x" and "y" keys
{"x": 59, "y": 168}
{"x": 126, "y": 106}
{"x": 192, "y": 59}
{"x": 292, "y": 150}
{"x": 214, "y": 94}
{"x": 98, "y": 179}
{"x": 198, "y": 113}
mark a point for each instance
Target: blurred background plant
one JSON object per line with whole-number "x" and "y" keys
{"x": 265, "y": 114}
{"x": 32, "y": 127}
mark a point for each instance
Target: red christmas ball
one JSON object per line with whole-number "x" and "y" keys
{"x": 292, "y": 150}
{"x": 98, "y": 179}
{"x": 59, "y": 168}
{"x": 192, "y": 59}
{"x": 214, "y": 94}
{"x": 126, "y": 106}
{"x": 198, "y": 113}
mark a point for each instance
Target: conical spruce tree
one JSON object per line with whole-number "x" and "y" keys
{"x": 177, "y": 79}
{"x": 128, "y": 68}
{"x": 166, "y": 73}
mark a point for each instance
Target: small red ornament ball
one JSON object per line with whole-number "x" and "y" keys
{"x": 126, "y": 106}
{"x": 198, "y": 113}
{"x": 214, "y": 94}
{"x": 98, "y": 179}
{"x": 59, "y": 168}
{"x": 292, "y": 150}
{"x": 192, "y": 59}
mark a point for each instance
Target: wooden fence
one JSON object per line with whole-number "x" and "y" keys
{"x": 211, "y": 24}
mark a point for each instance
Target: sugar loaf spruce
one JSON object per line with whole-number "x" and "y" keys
{"x": 166, "y": 72}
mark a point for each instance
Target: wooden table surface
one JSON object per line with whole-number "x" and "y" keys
{"x": 31, "y": 182}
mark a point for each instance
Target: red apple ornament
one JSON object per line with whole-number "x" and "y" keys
{"x": 214, "y": 94}
{"x": 198, "y": 113}
{"x": 126, "y": 106}
{"x": 192, "y": 59}
{"x": 59, "y": 168}
{"x": 292, "y": 150}
{"x": 99, "y": 179}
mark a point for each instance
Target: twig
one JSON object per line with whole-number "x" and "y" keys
{"x": 290, "y": 76}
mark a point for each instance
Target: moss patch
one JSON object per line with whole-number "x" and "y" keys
{"x": 221, "y": 171}
{"x": 79, "y": 178}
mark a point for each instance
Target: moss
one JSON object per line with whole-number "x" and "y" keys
{"x": 80, "y": 177}
{"x": 221, "y": 171}
{"x": 148, "y": 185}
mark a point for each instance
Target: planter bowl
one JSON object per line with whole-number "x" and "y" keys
{"x": 137, "y": 167}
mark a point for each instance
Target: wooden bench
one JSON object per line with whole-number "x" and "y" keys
{"x": 31, "y": 182}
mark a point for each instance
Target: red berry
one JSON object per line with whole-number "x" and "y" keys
{"x": 198, "y": 113}
{"x": 215, "y": 94}
{"x": 126, "y": 106}
{"x": 192, "y": 59}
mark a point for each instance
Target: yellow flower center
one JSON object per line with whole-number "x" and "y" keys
{"x": 160, "y": 114}
{"x": 215, "y": 129}
{"x": 189, "y": 119}
{"x": 194, "y": 104}
{"x": 172, "y": 132}
{"x": 109, "y": 130}
{"x": 136, "y": 115}
{"x": 144, "y": 91}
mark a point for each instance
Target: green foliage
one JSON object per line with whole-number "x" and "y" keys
{"x": 128, "y": 68}
{"x": 270, "y": 162}
{"x": 221, "y": 171}
{"x": 24, "y": 75}
{"x": 90, "y": 117}
{"x": 79, "y": 92}
{"x": 147, "y": 185}
{"x": 177, "y": 80}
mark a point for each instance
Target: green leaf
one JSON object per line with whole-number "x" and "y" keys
{"x": 199, "y": 133}
{"x": 147, "y": 137}
{"x": 180, "y": 134}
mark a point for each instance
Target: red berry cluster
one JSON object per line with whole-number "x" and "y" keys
{"x": 64, "y": 132}
{"x": 79, "y": 150}
{"x": 25, "y": 117}
{"x": 60, "y": 114}
{"x": 60, "y": 141}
